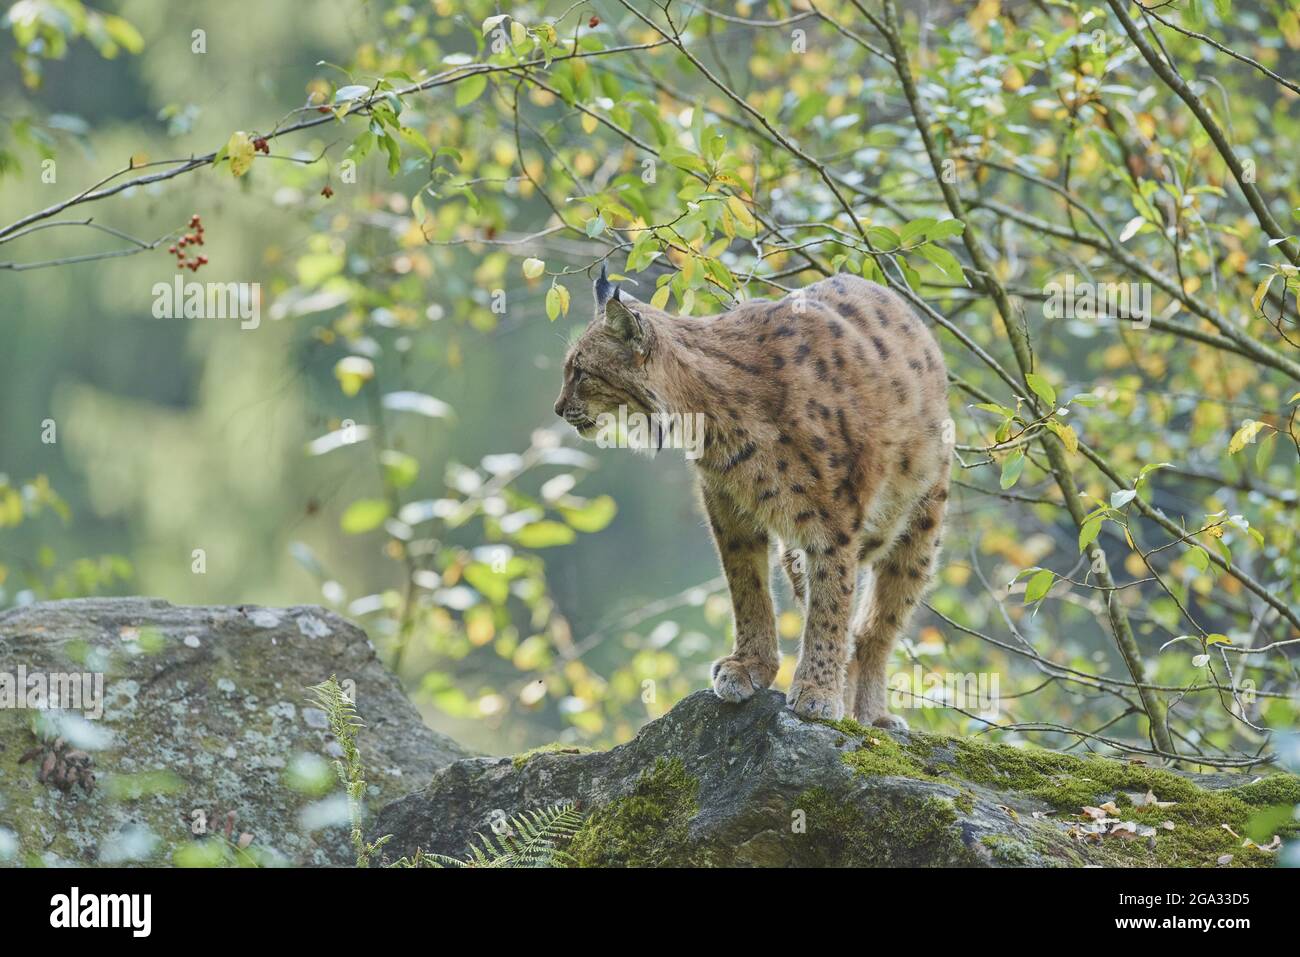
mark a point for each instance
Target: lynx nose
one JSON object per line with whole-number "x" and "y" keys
{"x": 559, "y": 407}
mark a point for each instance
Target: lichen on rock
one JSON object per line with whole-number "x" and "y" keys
{"x": 206, "y": 735}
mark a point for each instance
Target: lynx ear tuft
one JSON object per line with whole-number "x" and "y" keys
{"x": 627, "y": 325}
{"x": 605, "y": 290}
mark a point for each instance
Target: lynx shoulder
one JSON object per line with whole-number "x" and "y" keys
{"x": 826, "y": 433}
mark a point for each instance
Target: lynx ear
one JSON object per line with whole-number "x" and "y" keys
{"x": 627, "y": 325}
{"x": 604, "y": 290}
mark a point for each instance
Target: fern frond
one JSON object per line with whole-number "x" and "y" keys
{"x": 344, "y": 723}
{"x": 531, "y": 839}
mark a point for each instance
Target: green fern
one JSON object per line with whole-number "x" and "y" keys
{"x": 344, "y": 724}
{"x": 531, "y": 839}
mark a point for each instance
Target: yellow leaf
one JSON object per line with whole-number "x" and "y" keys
{"x": 239, "y": 150}
{"x": 353, "y": 372}
{"x": 1069, "y": 438}
{"x": 1261, "y": 291}
{"x": 1245, "y": 435}
{"x": 740, "y": 211}
{"x": 533, "y": 268}
{"x": 660, "y": 298}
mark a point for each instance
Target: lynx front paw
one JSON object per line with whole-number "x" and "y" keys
{"x": 811, "y": 701}
{"x": 735, "y": 679}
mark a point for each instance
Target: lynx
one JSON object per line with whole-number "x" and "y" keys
{"x": 826, "y": 428}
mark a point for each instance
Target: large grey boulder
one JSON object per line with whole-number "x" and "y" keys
{"x": 712, "y": 783}
{"x": 205, "y": 713}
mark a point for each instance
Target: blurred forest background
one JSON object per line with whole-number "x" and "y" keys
{"x": 383, "y": 443}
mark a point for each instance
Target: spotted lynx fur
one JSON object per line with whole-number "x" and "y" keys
{"x": 826, "y": 427}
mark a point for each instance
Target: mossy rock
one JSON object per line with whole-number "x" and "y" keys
{"x": 205, "y": 714}
{"x": 715, "y": 784}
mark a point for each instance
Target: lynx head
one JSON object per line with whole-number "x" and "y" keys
{"x": 609, "y": 364}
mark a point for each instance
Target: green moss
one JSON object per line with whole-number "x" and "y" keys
{"x": 1006, "y": 850}
{"x": 1274, "y": 789}
{"x": 909, "y": 832}
{"x": 879, "y": 753}
{"x": 1068, "y": 783}
{"x": 554, "y": 747}
{"x": 647, "y": 828}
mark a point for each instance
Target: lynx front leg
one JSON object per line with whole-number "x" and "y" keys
{"x": 742, "y": 546}
{"x": 818, "y": 687}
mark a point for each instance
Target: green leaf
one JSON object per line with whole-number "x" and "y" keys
{"x": 883, "y": 238}
{"x": 591, "y": 516}
{"x": 470, "y": 89}
{"x": 123, "y": 33}
{"x": 1012, "y": 466}
{"x": 416, "y": 139}
{"x": 946, "y": 229}
{"x": 1039, "y": 585}
{"x": 916, "y": 229}
{"x": 493, "y": 586}
{"x": 1264, "y": 452}
{"x": 809, "y": 107}
{"x": 545, "y": 534}
{"x": 394, "y": 151}
{"x": 1199, "y": 559}
{"x": 943, "y": 259}
{"x": 1148, "y": 469}
{"x": 1089, "y": 532}
{"x": 1042, "y": 388}
{"x": 363, "y": 515}
{"x": 400, "y": 469}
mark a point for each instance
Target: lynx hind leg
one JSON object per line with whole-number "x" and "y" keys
{"x": 901, "y": 577}
{"x": 861, "y": 610}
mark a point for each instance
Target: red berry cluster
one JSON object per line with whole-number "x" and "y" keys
{"x": 183, "y": 259}
{"x": 260, "y": 146}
